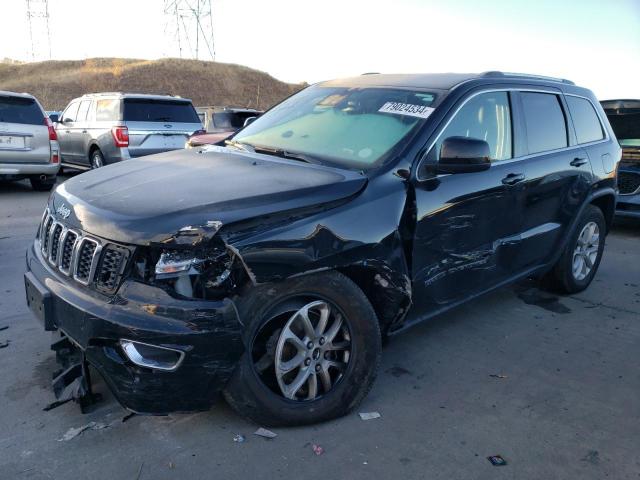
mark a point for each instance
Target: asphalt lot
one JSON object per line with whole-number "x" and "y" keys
{"x": 567, "y": 408}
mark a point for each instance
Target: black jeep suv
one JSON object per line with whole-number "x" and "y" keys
{"x": 270, "y": 269}
{"x": 624, "y": 117}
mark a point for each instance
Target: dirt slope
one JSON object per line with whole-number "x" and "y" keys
{"x": 54, "y": 83}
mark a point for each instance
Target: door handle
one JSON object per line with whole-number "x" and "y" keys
{"x": 578, "y": 162}
{"x": 84, "y": 131}
{"x": 67, "y": 131}
{"x": 513, "y": 178}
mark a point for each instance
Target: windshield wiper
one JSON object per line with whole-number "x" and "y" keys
{"x": 240, "y": 145}
{"x": 280, "y": 152}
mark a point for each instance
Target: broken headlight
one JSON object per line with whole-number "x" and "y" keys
{"x": 205, "y": 273}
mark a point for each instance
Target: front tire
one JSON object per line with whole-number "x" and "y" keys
{"x": 582, "y": 255}
{"x": 313, "y": 349}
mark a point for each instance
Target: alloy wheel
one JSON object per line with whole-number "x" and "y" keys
{"x": 309, "y": 352}
{"x": 586, "y": 251}
{"x": 97, "y": 161}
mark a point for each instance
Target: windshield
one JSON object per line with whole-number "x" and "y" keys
{"x": 346, "y": 127}
{"x": 627, "y": 128}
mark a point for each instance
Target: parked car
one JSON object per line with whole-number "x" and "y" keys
{"x": 54, "y": 116}
{"x": 219, "y": 124}
{"x": 102, "y": 128}
{"x": 624, "y": 116}
{"x": 272, "y": 268}
{"x": 28, "y": 141}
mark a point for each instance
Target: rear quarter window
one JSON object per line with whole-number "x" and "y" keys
{"x": 20, "y": 110}
{"x": 545, "y": 122}
{"x": 143, "y": 110}
{"x": 585, "y": 120}
{"x": 107, "y": 110}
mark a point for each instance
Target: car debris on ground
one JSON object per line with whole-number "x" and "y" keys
{"x": 317, "y": 449}
{"x": 497, "y": 375}
{"x": 74, "y": 432}
{"x": 239, "y": 438}
{"x": 497, "y": 460}
{"x": 369, "y": 415}
{"x": 56, "y": 404}
{"x": 263, "y": 432}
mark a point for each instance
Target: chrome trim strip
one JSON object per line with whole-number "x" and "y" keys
{"x": 166, "y": 132}
{"x": 128, "y": 346}
{"x": 44, "y": 217}
{"x": 56, "y": 261}
{"x": 73, "y": 248}
{"x": 50, "y": 242}
{"x": 550, "y": 91}
{"x": 43, "y": 234}
{"x": 94, "y": 259}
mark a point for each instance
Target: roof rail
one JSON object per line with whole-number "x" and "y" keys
{"x": 496, "y": 73}
{"x": 370, "y": 73}
{"x": 129, "y": 93}
{"x": 101, "y": 93}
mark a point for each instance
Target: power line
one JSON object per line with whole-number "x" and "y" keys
{"x": 189, "y": 27}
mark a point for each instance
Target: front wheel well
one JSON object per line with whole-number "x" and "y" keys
{"x": 607, "y": 204}
{"x": 388, "y": 292}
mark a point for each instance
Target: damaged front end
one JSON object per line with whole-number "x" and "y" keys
{"x": 167, "y": 340}
{"x": 195, "y": 263}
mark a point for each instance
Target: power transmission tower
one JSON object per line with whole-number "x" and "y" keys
{"x": 189, "y": 28}
{"x": 39, "y": 34}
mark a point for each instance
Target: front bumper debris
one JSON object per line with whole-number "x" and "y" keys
{"x": 92, "y": 325}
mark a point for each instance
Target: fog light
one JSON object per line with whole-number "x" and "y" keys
{"x": 152, "y": 356}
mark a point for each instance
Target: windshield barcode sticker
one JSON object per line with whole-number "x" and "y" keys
{"x": 421, "y": 111}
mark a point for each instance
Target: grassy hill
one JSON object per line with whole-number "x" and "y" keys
{"x": 54, "y": 83}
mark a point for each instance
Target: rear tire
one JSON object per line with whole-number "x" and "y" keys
{"x": 40, "y": 185}
{"x": 257, "y": 390}
{"x": 581, "y": 257}
{"x": 97, "y": 159}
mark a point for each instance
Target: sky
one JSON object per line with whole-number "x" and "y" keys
{"x": 595, "y": 43}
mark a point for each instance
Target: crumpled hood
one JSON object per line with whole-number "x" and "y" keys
{"x": 150, "y": 199}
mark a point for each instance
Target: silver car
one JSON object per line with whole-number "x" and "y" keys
{"x": 102, "y": 128}
{"x": 28, "y": 142}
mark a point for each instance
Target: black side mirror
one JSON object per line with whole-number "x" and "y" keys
{"x": 248, "y": 121}
{"x": 66, "y": 120}
{"x": 463, "y": 155}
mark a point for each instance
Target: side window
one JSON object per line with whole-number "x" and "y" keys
{"x": 107, "y": 110}
{"x": 71, "y": 112}
{"x": 486, "y": 117}
{"x": 545, "y": 122}
{"x": 585, "y": 119}
{"x": 82, "y": 111}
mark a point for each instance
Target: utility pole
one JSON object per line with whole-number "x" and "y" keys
{"x": 189, "y": 27}
{"x": 39, "y": 33}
